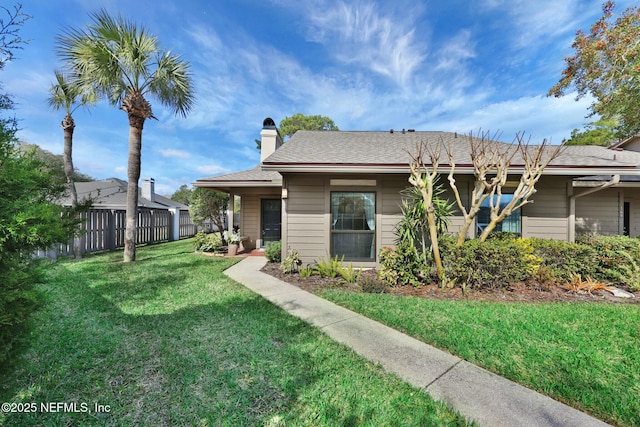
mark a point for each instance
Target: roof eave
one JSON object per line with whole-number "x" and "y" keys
{"x": 460, "y": 169}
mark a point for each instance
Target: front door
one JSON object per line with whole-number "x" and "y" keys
{"x": 271, "y": 220}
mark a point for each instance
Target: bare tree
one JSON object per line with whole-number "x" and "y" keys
{"x": 491, "y": 162}
{"x": 423, "y": 177}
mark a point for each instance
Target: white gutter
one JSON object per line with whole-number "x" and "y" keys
{"x": 572, "y": 203}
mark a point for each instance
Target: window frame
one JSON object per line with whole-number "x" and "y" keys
{"x": 498, "y": 228}
{"x": 370, "y": 231}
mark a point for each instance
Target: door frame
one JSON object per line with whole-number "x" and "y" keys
{"x": 271, "y": 199}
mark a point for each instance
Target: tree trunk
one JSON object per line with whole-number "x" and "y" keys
{"x": 138, "y": 110}
{"x": 68, "y": 126}
{"x": 133, "y": 176}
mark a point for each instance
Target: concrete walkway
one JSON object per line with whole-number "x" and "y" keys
{"x": 475, "y": 393}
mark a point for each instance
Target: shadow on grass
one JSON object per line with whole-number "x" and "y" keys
{"x": 180, "y": 344}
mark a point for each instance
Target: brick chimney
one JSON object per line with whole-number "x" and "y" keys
{"x": 149, "y": 189}
{"x": 271, "y": 140}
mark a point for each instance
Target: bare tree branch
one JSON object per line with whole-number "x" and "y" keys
{"x": 423, "y": 177}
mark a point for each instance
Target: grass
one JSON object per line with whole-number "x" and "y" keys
{"x": 584, "y": 354}
{"x": 169, "y": 340}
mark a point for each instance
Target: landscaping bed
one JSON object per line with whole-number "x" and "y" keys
{"x": 523, "y": 292}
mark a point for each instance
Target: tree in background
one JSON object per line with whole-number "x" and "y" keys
{"x": 601, "y": 132}
{"x": 182, "y": 195}
{"x": 209, "y": 207}
{"x": 290, "y": 125}
{"x": 125, "y": 64}
{"x": 30, "y": 217}
{"x": 606, "y": 64}
{"x": 54, "y": 162}
{"x": 68, "y": 93}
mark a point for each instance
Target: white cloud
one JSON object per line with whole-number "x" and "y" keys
{"x": 537, "y": 116}
{"x": 380, "y": 39}
{"x": 211, "y": 169}
{"x": 175, "y": 153}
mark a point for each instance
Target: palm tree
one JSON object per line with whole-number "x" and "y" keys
{"x": 125, "y": 64}
{"x": 68, "y": 93}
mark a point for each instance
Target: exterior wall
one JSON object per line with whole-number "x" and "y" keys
{"x": 250, "y": 213}
{"x": 632, "y": 195}
{"x": 306, "y": 226}
{"x": 307, "y": 218}
{"x": 599, "y": 213}
{"x": 547, "y": 216}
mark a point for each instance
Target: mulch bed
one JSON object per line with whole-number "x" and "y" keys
{"x": 522, "y": 292}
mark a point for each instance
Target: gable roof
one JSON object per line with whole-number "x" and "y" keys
{"x": 112, "y": 193}
{"x": 255, "y": 177}
{"x": 386, "y": 152}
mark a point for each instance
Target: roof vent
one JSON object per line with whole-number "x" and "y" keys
{"x": 268, "y": 123}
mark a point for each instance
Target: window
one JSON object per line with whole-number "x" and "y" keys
{"x": 353, "y": 225}
{"x": 511, "y": 224}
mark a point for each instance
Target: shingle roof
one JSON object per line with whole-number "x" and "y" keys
{"x": 256, "y": 177}
{"x": 112, "y": 193}
{"x": 342, "y": 148}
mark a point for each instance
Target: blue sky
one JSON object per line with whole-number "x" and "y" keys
{"x": 457, "y": 66}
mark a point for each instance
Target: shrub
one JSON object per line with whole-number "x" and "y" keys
{"x": 400, "y": 265}
{"x": 307, "y": 272}
{"x": 291, "y": 262}
{"x": 350, "y": 274}
{"x": 211, "y": 242}
{"x": 616, "y": 259}
{"x": 273, "y": 251}
{"x": 560, "y": 260}
{"x": 330, "y": 268}
{"x": 493, "y": 263}
{"x": 372, "y": 285}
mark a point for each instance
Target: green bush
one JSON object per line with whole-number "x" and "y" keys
{"x": 400, "y": 265}
{"x": 494, "y": 263}
{"x": 330, "y": 268}
{"x": 204, "y": 242}
{"x": 562, "y": 259}
{"x": 350, "y": 274}
{"x": 291, "y": 263}
{"x": 273, "y": 251}
{"x": 616, "y": 259}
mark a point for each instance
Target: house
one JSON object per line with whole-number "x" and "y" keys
{"x": 159, "y": 218}
{"x": 111, "y": 193}
{"x": 328, "y": 193}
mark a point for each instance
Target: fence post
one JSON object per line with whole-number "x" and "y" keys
{"x": 111, "y": 230}
{"x": 175, "y": 224}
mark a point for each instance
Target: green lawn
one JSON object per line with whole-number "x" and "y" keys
{"x": 584, "y": 354}
{"x": 169, "y": 340}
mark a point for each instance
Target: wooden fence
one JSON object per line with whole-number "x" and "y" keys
{"x": 103, "y": 229}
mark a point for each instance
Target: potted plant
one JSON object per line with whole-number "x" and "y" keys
{"x": 233, "y": 242}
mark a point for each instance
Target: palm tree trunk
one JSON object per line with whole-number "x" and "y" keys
{"x": 133, "y": 176}
{"x": 68, "y": 126}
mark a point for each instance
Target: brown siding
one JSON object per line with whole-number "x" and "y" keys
{"x": 547, "y": 216}
{"x": 598, "y": 213}
{"x": 631, "y": 195}
{"x": 307, "y": 226}
{"x": 250, "y": 218}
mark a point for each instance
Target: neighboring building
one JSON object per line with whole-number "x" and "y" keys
{"x": 328, "y": 193}
{"x": 111, "y": 193}
{"x": 159, "y": 218}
